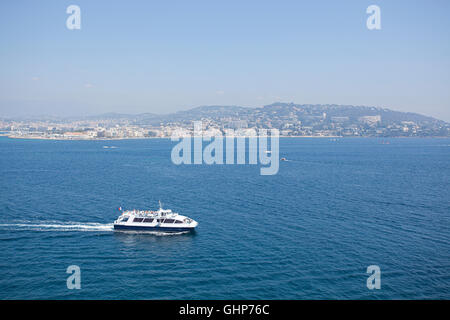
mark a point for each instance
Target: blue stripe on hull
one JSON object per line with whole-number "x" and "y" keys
{"x": 157, "y": 229}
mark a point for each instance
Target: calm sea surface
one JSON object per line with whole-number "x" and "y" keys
{"x": 309, "y": 232}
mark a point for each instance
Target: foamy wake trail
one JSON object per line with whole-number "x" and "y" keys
{"x": 69, "y": 226}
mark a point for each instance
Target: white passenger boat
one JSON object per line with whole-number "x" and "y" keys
{"x": 161, "y": 220}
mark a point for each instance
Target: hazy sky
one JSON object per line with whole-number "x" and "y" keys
{"x": 164, "y": 56}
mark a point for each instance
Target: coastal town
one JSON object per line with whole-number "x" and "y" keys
{"x": 289, "y": 119}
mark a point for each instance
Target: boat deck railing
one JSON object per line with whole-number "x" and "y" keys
{"x": 149, "y": 213}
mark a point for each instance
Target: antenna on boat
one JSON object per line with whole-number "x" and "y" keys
{"x": 160, "y": 206}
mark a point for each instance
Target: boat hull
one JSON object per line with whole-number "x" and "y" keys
{"x": 152, "y": 229}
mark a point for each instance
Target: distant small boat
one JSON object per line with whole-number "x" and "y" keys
{"x": 283, "y": 159}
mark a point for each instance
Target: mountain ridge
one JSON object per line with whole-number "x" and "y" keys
{"x": 334, "y": 110}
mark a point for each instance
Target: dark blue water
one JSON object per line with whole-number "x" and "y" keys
{"x": 309, "y": 232}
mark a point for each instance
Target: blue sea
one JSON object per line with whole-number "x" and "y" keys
{"x": 308, "y": 232}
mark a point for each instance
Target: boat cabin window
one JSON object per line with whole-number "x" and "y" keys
{"x": 124, "y": 219}
{"x": 138, "y": 219}
{"x": 148, "y": 220}
{"x": 178, "y": 221}
{"x": 169, "y": 221}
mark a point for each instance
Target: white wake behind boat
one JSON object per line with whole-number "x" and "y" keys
{"x": 161, "y": 221}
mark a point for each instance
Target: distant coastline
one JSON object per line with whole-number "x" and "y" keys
{"x": 138, "y": 138}
{"x": 291, "y": 120}
{"x": 80, "y": 139}
{"x": 144, "y": 138}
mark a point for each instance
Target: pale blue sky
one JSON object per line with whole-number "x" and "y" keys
{"x": 165, "y": 56}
